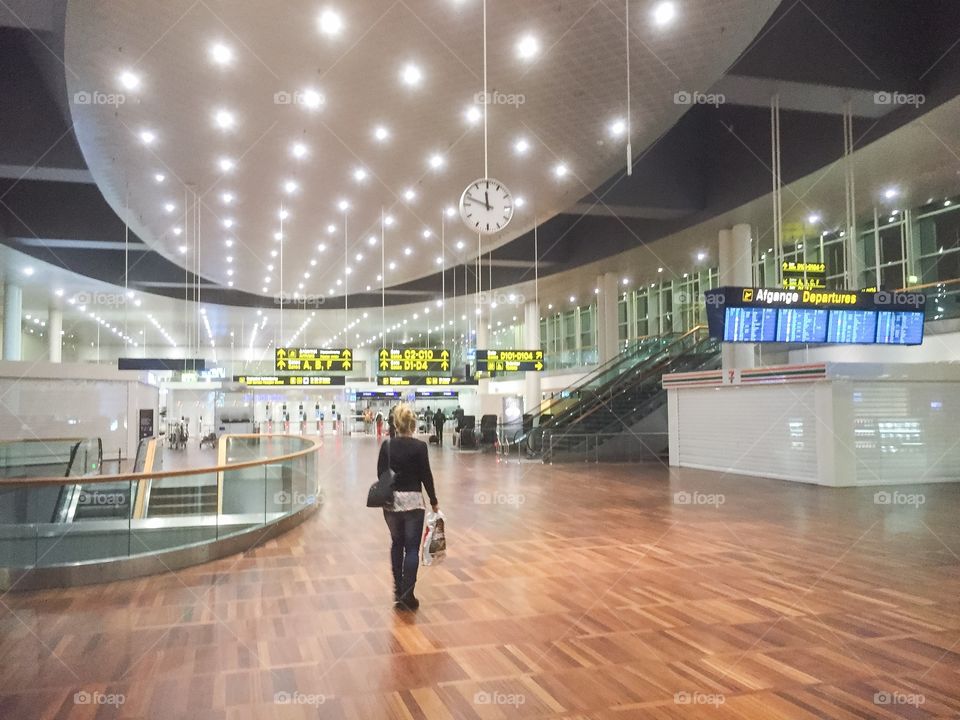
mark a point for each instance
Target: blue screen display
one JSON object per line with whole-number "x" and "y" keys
{"x": 750, "y": 324}
{"x": 852, "y": 327}
{"x": 899, "y": 328}
{"x": 802, "y": 325}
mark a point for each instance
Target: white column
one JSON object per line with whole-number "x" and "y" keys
{"x": 735, "y": 269}
{"x": 608, "y": 341}
{"x": 531, "y": 340}
{"x": 54, "y": 330}
{"x": 12, "y": 318}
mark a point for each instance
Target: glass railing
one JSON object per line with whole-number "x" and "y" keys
{"x": 114, "y": 517}
{"x": 625, "y": 447}
{"x": 36, "y": 457}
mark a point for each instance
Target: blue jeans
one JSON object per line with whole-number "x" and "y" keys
{"x": 406, "y": 530}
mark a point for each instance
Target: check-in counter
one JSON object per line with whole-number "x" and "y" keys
{"x": 836, "y": 424}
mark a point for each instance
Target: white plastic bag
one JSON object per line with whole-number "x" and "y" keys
{"x": 434, "y": 547}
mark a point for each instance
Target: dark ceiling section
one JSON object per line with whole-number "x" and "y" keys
{"x": 713, "y": 160}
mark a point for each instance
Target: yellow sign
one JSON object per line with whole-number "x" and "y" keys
{"x": 509, "y": 360}
{"x": 290, "y": 380}
{"x": 748, "y": 294}
{"x": 314, "y": 359}
{"x": 413, "y": 359}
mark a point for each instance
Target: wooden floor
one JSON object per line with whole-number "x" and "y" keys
{"x": 575, "y": 591}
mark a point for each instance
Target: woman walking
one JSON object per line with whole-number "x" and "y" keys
{"x": 409, "y": 460}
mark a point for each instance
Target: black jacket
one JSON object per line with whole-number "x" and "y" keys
{"x": 409, "y": 460}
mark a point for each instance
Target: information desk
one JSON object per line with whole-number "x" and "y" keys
{"x": 838, "y": 424}
{"x": 763, "y": 315}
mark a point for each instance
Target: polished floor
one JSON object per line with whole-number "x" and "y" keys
{"x": 573, "y": 591}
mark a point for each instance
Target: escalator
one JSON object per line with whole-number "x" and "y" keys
{"x": 96, "y": 501}
{"x": 623, "y": 404}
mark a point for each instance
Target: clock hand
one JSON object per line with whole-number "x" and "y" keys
{"x": 473, "y": 199}
{"x": 486, "y": 196}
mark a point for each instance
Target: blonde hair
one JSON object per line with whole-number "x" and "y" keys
{"x": 404, "y": 419}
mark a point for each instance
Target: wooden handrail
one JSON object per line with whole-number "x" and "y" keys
{"x": 98, "y": 479}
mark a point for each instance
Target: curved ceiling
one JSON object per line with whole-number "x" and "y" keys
{"x": 561, "y": 102}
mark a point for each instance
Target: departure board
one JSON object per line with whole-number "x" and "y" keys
{"x": 802, "y": 325}
{"x": 750, "y": 324}
{"x": 852, "y": 327}
{"x": 899, "y": 328}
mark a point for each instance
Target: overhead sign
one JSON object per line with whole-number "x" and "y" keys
{"x": 509, "y": 360}
{"x": 803, "y": 275}
{"x": 314, "y": 359}
{"x": 175, "y": 364}
{"x": 413, "y": 359}
{"x": 427, "y": 394}
{"x": 738, "y": 314}
{"x": 430, "y": 380}
{"x": 290, "y": 380}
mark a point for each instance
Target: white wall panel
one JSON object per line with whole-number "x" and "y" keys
{"x": 753, "y": 430}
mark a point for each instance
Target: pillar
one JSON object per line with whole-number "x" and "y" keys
{"x": 54, "y": 334}
{"x": 531, "y": 340}
{"x": 735, "y": 268}
{"x": 608, "y": 340}
{"x": 12, "y": 319}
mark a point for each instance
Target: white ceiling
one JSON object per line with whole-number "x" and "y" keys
{"x": 572, "y": 90}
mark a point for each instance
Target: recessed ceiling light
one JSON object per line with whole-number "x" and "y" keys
{"x": 460, "y": 245}
{"x": 228, "y": 223}
{"x": 359, "y": 257}
{"x": 371, "y": 240}
{"x": 411, "y": 74}
{"x": 148, "y": 137}
{"x": 331, "y": 229}
{"x": 343, "y": 205}
{"x": 230, "y": 272}
{"x": 409, "y": 195}
{"x": 890, "y": 193}
{"x": 313, "y": 262}
{"x": 573, "y": 299}
{"x": 360, "y": 174}
{"x": 224, "y": 119}
{"x": 380, "y": 133}
{"x": 129, "y": 80}
{"x": 290, "y": 187}
{"x": 436, "y": 161}
{"x": 473, "y": 115}
{"x": 703, "y": 256}
{"x": 229, "y": 258}
{"x": 427, "y": 233}
{"x": 392, "y": 265}
{"x": 664, "y": 12}
{"x": 159, "y": 177}
{"x": 298, "y": 150}
{"x": 226, "y": 164}
{"x": 813, "y": 218}
{"x": 561, "y": 170}
{"x": 439, "y": 260}
{"x": 178, "y": 231}
{"x": 221, "y": 54}
{"x": 519, "y": 201}
{"x": 283, "y": 214}
{"x": 408, "y": 251}
{"x": 618, "y": 127}
{"x": 28, "y": 271}
{"x": 330, "y": 22}
{"x": 321, "y": 247}
{"x": 229, "y": 284}
{"x": 228, "y": 243}
{"x": 450, "y": 211}
{"x": 388, "y": 220}
{"x": 521, "y": 146}
{"x": 169, "y": 207}
{"x": 183, "y": 249}
{"x": 311, "y": 99}
{"x": 528, "y": 47}
{"x": 227, "y": 198}
{"x": 270, "y": 268}
{"x": 278, "y": 236}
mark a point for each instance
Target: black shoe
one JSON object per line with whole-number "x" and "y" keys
{"x": 409, "y": 602}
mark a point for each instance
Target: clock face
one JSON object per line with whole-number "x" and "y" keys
{"x": 486, "y": 206}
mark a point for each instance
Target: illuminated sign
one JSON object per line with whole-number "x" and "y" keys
{"x": 803, "y": 275}
{"x": 738, "y": 314}
{"x": 290, "y": 380}
{"x": 509, "y": 360}
{"x": 314, "y": 359}
{"x": 413, "y": 359}
{"x": 429, "y": 380}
